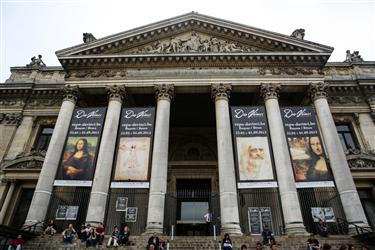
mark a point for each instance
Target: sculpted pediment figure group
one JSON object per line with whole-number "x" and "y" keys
{"x": 194, "y": 43}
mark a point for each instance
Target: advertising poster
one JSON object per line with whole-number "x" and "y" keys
{"x": 252, "y": 145}
{"x": 305, "y": 145}
{"x": 121, "y": 203}
{"x": 131, "y": 214}
{"x": 77, "y": 165}
{"x": 323, "y": 214}
{"x": 135, "y": 143}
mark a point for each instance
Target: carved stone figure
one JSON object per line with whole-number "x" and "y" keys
{"x": 353, "y": 57}
{"x": 298, "y": 33}
{"x": 193, "y": 44}
{"x": 36, "y": 62}
{"x": 88, "y": 38}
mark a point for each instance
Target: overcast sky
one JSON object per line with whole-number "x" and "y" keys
{"x": 32, "y": 27}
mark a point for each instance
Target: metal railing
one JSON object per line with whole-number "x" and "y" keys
{"x": 344, "y": 226}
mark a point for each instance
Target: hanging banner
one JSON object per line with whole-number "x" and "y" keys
{"x": 252, "y": 145}
{"x": 77, "y": 165}
{"x": 305, "y": 146}
{"x": 134, "y": 146}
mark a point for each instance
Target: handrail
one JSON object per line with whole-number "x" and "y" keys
{"x": 360, "y": 230}
{"x": 28, "y": 227}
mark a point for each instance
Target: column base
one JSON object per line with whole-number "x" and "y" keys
{"x": 296, "y": 229}
{"x": 154, "y": 227}
{"x": 233, "y": 229}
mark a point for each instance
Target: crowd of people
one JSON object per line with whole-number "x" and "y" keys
{"x": 93, "y": 236}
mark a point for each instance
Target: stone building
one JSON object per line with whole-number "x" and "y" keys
{"x": 154, "y": 126}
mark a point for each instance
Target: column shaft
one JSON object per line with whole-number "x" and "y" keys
{"x": 287, "y": 188}
{"x": 229, "y": 212}
{"x": 159, "y": 167}
{"x": 8, "y": 197}
{"x": 158, "y": 185}
{"x": 39, "y": 204}
{"x": 344, "y": 181}
{"x": 102, "y": 178}
{"x": 99, "y": 191}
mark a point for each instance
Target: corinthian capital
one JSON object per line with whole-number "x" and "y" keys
{"x": 70, "y": 93}
{"x": 269, "y": 90}
{"x": 164, "y": 92}
{"x": 318, "y": 90}
{"x": 220, "y": 91}
{"x": 115, "y": 92}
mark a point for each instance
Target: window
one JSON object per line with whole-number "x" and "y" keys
{"x": 346, "y": 136}
{"x": 44, "y": 139}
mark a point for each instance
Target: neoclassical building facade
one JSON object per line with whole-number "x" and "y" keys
{"x": 156, "y": 126}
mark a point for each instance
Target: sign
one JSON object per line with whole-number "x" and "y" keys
{"x": 254, "y": 220}
{"x": 65, "y": 212}
{"x": 135, "y": 143}
{"x": 81, "y": 146}
{"x": 323, "y": 214}
{"x": 131, "y": 214}
{"x": 252, "y": 144}
{"x": 305, "y": 145}
{"x": 266, "y": 216}
{"x": 258, "y": 218}
{"x": 121, "y": 203}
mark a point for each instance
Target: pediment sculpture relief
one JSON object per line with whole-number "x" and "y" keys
{"x": 194, "y": 43}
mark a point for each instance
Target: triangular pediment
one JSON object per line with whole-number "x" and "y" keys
{"x": 192, "y": 33}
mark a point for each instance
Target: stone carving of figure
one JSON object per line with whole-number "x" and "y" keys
{"x": 298, "y": 33}
{"x": 174, "y": 45}
{"x": 215, "y": 44}
{"x": 192, "y": 44}
{"x": 353, "y": 57}
{"x": 88, "y": 38}
{"x": 157, "y": 47}
{"x": 348, "y": 56}
{"x": 36, "y": 62}
{"x": 232, "y": 47}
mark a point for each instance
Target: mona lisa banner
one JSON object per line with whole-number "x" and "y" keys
{"x": 305, "y": 146}
{"x": 134, "y": 148}
{"x": 252, "y": 145}
{"x": 77, "y": 165}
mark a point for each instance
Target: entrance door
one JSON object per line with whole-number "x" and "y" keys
{"x": 193, "y": 202}
{"x": 23, "y": 207}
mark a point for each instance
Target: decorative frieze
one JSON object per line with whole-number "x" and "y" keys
{"x": 289, "y": 70}
{"x": 221, "y": 91}
{"x": 97, "y": 73}
{"x": 269, "y": 90}
{"x": 70, "y": 93}
{"x": 164, "y": 91}
{"x": 116, "y": 92}
{"x": 318, "y": 90}
{"x": 11, "y": 119}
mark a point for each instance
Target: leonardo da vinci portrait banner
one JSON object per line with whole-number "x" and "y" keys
{"x": 252, "y": 145}
{"x": 134, "y": 146}
{"x": 305, "y": 145}
{"x": 77, "y": 165}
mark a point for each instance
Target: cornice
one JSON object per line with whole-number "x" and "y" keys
{"x": 194, "y": 59}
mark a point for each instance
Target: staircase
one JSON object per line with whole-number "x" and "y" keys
{"x": 192, "y": 242}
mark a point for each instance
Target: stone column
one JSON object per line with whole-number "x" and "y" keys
{"x": 159, "y": 168}
{"x": 285, "y": 177}
{"x": 230, "y": 221}
{"x": 344, "y": 181}
{"x": 39, "y": 204}
{"x": 20, "y": 138}
{"x": 8, "y": 197}
{"x": 102, "y": 178}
